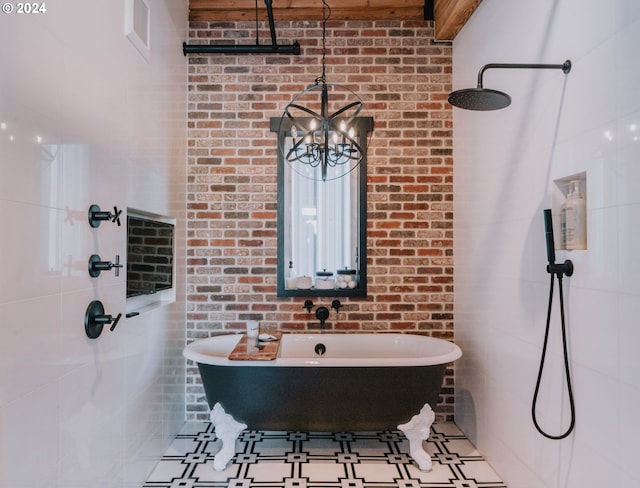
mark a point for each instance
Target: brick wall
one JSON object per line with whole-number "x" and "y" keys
{"x": 403, "y": 76}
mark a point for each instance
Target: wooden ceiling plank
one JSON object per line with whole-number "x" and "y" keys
{"x": 450, "y": 15}
{"x": 300, "y": 4}
{"x": 347, "y": 13}
{"x": 240, "y": 10}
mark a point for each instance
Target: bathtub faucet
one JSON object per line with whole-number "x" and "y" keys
{"x": 322, "y": 314}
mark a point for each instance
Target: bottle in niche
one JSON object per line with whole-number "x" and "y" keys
{"x": 563, "y": 225}
{"x": 575, "y": 218}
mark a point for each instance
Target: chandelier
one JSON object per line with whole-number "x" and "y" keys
{"x": 323, "y": 134}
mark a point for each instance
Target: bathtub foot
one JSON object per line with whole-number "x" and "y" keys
{"x": 227, "y": 430}
{"x": 416, "y": 431}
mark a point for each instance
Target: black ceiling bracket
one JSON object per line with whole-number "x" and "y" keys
{"x": 429, "y": 13}
{"x": 273, "y": 48}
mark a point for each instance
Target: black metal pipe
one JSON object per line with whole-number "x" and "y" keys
{"x": 272, "y": 26}
{"x": 565, "y": 67}
{"x": 240, "y": 49}
{"x": 274, "y": 48}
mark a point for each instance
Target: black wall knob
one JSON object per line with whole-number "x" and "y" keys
{"x": 96, "y": 216}
{"x": 95, "y": 319}
{"x": 322, "y": 314}
{"x": 96, "y": 266}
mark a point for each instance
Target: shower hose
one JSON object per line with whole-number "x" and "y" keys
{"x": 566, "y": 362}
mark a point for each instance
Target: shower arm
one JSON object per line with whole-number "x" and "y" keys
{"x": 565, "y": 67}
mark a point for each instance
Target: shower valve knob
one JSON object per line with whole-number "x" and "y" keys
{"x": 308, "y": 304}
{"x": 114, "y": 321}
{"x": 96, "y": 216}
{"x": 96, "y": 266}
{"x": 95, "y": 319}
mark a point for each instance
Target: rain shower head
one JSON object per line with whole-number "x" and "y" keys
{"x": 481, "y": 98}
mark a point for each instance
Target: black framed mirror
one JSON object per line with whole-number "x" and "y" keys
{"x": 322, "y": 223}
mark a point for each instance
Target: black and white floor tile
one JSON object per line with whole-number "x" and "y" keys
{"x": 322, "y": 460}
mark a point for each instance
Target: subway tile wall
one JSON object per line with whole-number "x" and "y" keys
{"x": 506, "y": 162}
{"x": 84, "y": 119}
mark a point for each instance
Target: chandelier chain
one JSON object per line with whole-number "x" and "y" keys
{"x": 326, "y": 13}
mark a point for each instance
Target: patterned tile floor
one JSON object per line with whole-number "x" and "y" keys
{"x": 322, "y": 460}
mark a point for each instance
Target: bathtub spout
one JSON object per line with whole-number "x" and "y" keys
{"x": 322, "y": 314}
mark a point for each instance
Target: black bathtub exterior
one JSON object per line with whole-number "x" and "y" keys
{"x": 322, "y": 399}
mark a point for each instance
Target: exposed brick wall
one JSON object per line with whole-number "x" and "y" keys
{"x": 403, "y": 76}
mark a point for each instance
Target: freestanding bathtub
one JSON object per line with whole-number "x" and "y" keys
{"x": 326, "y": 382}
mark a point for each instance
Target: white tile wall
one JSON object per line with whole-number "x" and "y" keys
{"x": 505, "y": 165}
{"x": 85, "y": 119}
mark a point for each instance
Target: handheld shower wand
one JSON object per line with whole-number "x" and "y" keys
{"x": 565, "y": 268}
{"x": 548, "y": 233}
{"x": 555, "y": 270}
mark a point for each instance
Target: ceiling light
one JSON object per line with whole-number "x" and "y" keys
{"x": 320, "y": 122}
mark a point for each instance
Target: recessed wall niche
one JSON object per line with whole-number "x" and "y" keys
{"x": 569, "y": 205}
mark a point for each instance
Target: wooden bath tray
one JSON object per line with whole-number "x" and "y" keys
{"x": 246, "y": 349}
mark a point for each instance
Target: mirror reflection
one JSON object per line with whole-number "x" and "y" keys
{"x": 321, "y": 221}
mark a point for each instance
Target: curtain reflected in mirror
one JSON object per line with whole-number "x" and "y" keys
{"x": 321, "y": 224}
{"x": 324, "y": 224}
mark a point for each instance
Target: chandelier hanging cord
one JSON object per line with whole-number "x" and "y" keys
{"x": 326, "y": 14}
{"x": 330, "y": 122}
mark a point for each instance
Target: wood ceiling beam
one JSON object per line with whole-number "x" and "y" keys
{"x": 245, "y": 10}
{"x": 451, "y": 15}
